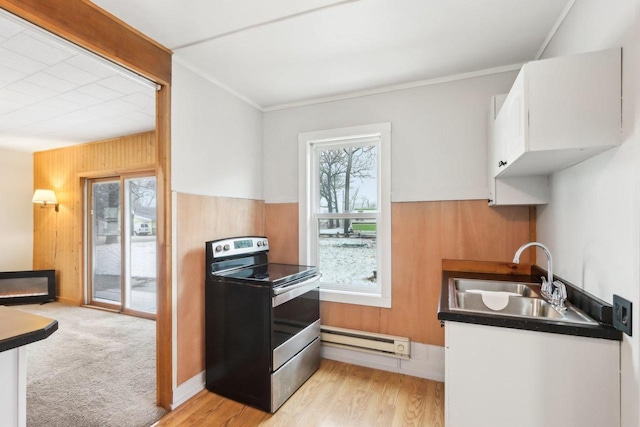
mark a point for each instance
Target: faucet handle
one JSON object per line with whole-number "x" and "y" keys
{"x": 559, "y": 295}
{"x": 545, "y": 287}
{"x": 561, "y": 287}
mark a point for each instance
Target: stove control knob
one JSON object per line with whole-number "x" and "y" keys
{"x": 218, "y": 248}
{"x": 226, "y": 247}
{"x": 259, "y": 244}
{"x": 264, "y": 243}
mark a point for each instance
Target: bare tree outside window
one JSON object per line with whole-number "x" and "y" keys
{"x": 342, "y": 172}
{"x": 348, "y": 185}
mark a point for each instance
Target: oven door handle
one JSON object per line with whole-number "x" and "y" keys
{"x": 287, "y": 293}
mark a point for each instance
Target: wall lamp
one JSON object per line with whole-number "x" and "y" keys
{"x": 46, "y": 198}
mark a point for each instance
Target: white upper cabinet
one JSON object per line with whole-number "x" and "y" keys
{"x": 559, "y": 112}
{"x": 516, "y": 190}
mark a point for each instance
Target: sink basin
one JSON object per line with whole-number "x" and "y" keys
{"x": 517, "y": 306}
{"x": 467, "y": 295}
{"x": 522, "y": 289}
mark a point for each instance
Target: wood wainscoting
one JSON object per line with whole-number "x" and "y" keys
{"x": 423, "y": 234}
{"x": 58, "y": 236}
{"x": 200, "y": 219}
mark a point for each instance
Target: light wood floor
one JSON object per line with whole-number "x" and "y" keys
{"x": 338, "y": 394}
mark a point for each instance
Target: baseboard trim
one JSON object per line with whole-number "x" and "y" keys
{"x": 188, "y": 389}
{"x": 426, "y": 361}
{"x": 69, "y": 301}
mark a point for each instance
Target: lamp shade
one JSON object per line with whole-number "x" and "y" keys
{"x": 45, "y": 197}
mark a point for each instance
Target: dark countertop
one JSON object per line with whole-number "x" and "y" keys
{"x": 18, "y": 328}
{"x": 602, "y": 330}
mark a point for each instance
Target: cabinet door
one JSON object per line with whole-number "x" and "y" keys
{"x": 503, "y": 377}
{"x": 493, "y": 151}
{"x": 513, "y": 121}
{"x": 574, "y": 102}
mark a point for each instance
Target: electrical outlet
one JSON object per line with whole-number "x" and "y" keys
{"x": 622, "y": 314}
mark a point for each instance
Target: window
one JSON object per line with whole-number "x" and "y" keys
{"x": 345, "y": 212}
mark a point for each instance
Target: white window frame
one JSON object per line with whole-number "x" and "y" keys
{"x": 308, "y": 224}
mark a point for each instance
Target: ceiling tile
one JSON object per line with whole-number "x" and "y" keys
{"x": 9, "y": 27}
{"x": 61, "y": 105}
{"x": 8, "y": 75}
{"x": 51, "y": 82}
{"x": 89, "y": 64}
{"x": 101, "y": 92}
{"x": 19, "y": 98}
{"x": 102, "y": 111}
{"x": 18, "y": 62}
{"x": 81, "y": 98}
{"x": 7, "y": 106}
{"x": 123, "y": 85}
{"x": 121, "y": 106}
{"x": 66, "y": 71}
{"x": 35, "y": 92}
{"x": 142, "y": 100}
{"x": 36, "y": 49}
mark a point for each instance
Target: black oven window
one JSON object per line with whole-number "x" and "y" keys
{"x": 293, "y": 316}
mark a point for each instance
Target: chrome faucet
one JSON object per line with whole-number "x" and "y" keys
{"x": 547, "y": 286}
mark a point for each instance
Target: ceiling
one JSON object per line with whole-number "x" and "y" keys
{"x": 272, "y": 54}
{"x": 284, "y": 52}
{"x": 54, "y": 94}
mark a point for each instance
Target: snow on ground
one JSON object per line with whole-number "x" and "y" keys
{"x": 143, "y": 257}
{"x": 106, "y": 284}
{"x": 348, "y": 260}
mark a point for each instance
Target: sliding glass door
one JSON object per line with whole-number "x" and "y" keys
{"x": 122, "y": 243}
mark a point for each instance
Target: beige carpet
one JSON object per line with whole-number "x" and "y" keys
{"x": 97, "y": 369}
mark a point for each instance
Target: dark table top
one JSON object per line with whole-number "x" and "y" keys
{"x": 18, "y": 328}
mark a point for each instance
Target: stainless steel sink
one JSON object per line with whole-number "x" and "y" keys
{"x": 522, "y": 289}
{"x": 524, "y": 303}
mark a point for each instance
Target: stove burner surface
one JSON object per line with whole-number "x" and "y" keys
{"x": 273, "y": 274}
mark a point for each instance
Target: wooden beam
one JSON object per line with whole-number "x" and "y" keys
{"x": 164, "y": 316}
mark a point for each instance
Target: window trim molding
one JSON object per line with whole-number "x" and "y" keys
{"x": 306, "y": 143}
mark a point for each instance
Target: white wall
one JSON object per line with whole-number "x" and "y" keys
{"x": 216, "y": 139}
{"x": 16, "y": 210}
{"x": 592, "y": 224}
{"x": 438, "y": 135}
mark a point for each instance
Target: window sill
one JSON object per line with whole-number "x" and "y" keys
{"x": 357, "y": 298}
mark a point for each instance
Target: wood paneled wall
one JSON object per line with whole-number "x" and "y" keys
{"x": 423, "y": 234}
{"x": 282, "y": 231}
{"x": 58, "y": 236}
{"x": 200, "y": 219}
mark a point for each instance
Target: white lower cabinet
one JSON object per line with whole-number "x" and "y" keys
{"x": 13, "y": 387}
{"x": 509, "y": 377}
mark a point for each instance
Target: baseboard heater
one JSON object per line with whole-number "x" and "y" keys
{"x": 369, "y": 342}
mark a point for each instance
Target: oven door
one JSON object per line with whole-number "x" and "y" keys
{"x": 296, "y": 319}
